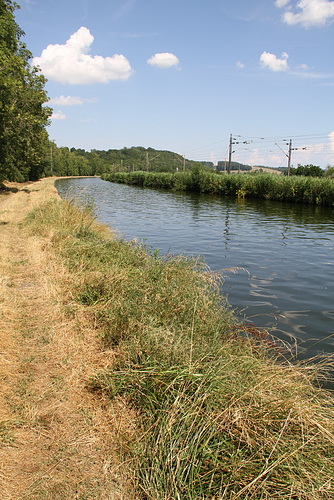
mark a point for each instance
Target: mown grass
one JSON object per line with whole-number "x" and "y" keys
{"x": 295, "y": 189}
{"x": 219, "y": 415}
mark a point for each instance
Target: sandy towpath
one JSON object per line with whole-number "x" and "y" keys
{"x": 57, "y": 439}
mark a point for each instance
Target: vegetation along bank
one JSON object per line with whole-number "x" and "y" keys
{"x": 296, "y": 189}
{"x": 192, "y": 404}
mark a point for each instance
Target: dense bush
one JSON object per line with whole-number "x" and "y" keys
{"x": 308, "y": 171}
{"x": 296, "y": 189}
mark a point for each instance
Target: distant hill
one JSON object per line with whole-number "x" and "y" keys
{"x": 74, "y": 161}
{"x": 223, "y": 166}
{"x": 271, "y": 170}
{"x": 139, "y": 158}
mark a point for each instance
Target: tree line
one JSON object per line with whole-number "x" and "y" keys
{"x": 72, "y": 162}
{"x": 311, "y": 171}
{"x": 24, "y": 141}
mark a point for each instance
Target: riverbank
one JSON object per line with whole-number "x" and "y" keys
{"x": 294, "y": 189}
{"x": 147, "y": 369}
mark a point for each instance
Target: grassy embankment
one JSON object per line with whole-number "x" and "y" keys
{"x": 217, "y": 414}
{"x": 296, "y": 189}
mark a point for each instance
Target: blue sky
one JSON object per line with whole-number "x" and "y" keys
{"x": 183, "y": 75}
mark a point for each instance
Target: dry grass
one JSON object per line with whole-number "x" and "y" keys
{"x": 58, "y": 440}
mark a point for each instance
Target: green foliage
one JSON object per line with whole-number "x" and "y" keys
{"x": 66, "y": 162}
{"x": 208, "y": 165}
{"x": 307, "y": 171}
{"x": 23, "y": 138}
{"x": 329, "y": 171}
{"x": 223, "y": 166}
{"x": 296, "y": 189}
{"x": 138, "y": 159}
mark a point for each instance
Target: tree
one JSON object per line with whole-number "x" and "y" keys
{"x": 24, "y": 144}
{"x": 307, "y": 171}
{"x": 329, "y": 171}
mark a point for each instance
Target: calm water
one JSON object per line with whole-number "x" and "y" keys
{"x": 277, "y": 259}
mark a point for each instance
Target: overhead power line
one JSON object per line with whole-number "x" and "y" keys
{"x": 260, "y": 149}
{"x": 233, "y": 142}
{"x": 288, "y": 155}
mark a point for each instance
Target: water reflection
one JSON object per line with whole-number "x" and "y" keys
{"x": 282, "y": 253}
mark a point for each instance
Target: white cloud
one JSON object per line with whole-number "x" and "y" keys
{"x": 273, "y": 62}
{"x": 281, "y": 3}
{"x": 66, "y": 101}
{"x": 163, "y": 60}
{"x": 70, "y": 101}
{"x": 304, "y": 67}
{"x": 331, "y": 137}
{"x": 70, "y": 63}
{"x": 240, "y": 65}
{"x": 255, "y": 158}
{"x": 309, "y": 12}
{"x": 58, "y": 115}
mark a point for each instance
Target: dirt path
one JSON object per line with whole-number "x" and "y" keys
{"x": 57, "y": 439}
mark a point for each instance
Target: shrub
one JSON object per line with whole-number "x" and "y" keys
{"x": 296, "y": 189}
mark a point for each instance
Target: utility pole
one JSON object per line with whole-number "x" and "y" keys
{"x": 147, "y": 162}
{"x": 289, "y": 153}
{"x": 184, "y": 163}
{"x": 289, "y": 157}
{"x": 230, "y": 155}
{"x": 234, "y": 141}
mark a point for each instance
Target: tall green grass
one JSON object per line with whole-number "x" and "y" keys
{"x": 295, "y": 189}
{"x": 219, "y": 414}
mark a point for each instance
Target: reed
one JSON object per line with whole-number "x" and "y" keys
{"x": 219, "y": 413}
{"x": 295, "y": 189}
